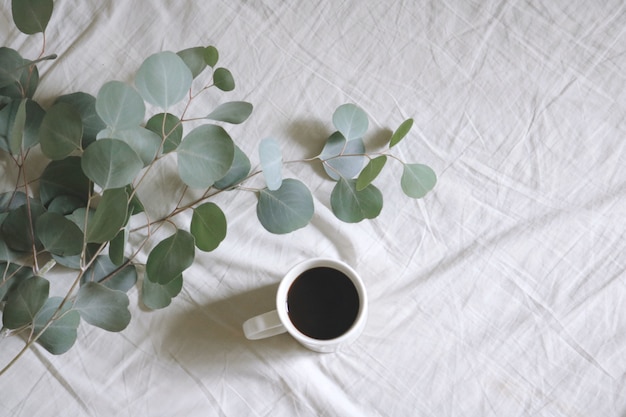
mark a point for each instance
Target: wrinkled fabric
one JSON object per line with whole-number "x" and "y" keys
{"x": 501, "y": 293}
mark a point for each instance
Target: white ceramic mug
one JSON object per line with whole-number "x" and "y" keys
{"x": 315, "y": 303}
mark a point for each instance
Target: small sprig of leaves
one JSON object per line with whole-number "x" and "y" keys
{"x": 84, "y": 207}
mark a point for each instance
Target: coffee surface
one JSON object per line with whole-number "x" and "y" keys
{"x": 323, "y": 303}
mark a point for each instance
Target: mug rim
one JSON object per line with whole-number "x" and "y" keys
{"x": 295, "y": 272}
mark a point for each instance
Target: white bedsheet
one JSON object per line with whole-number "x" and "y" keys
{"x": 502, "y": 293}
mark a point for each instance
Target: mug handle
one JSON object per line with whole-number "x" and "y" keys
{"x": 263, "y": 325}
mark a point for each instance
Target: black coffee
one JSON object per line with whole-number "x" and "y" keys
{"x": 323, "y": 303}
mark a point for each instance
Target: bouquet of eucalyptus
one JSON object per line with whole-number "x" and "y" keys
{"x": 83, "y": 208}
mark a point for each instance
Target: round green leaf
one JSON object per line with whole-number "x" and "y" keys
{"x": 11, "y": 200}
{"x": 61, "y": 131}
{"x": 31, "y": 16}
{"x": 417, "y": 180}
{"x": 370, "y": 172}
{"x": 208, "y": 226}
{"x": 338, "y": 166}
{"x": 194, "y": 59}
{"x": 60, "y": 336}
{"x": 170, "y": 257}
{"x": 163, "y": 79}
{"x": 24, "y": 302}
{"x": 400, "y": 132}
{"x": 120, "y": 106}
{"x": 271, "y": 162}
{"x": 351, "y": 121}
{"x": 111, "y": 163}
{"x": 103, "y": 307}
{"x": 211, "y": 56}
{"x": 65, "y": 204}
{"x": 223, "y": 79}
{"x": 205, "y": 156}
{"x": 112, "y": 276}
{"x": 234, "y": 112}
{"x": 109, "y": 217}
{"x": 16, "y": 228}
{"x": 64, "y": 177}
{"x": 286, "y": 209}
{"x": 170, "y": 131}
{"x": 59, "y": 235}
{"x": 144, "y": 142}
{"x": 74, "y": 261}
{"x": 237, "y": 172}
{"x": 11, "y": 67}
{"x": 11, "y": 276}
{"x": 85, "y": 105}
{"x": 155, "y": 296}
{"x": 352, "y": 206}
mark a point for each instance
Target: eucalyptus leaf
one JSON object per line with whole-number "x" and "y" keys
{"x": 286, "y": 209}
{"x": 17, "y": 229}
{"x": 24, "y": 301}
{"x": 341, "y": 158}
{"x": 64, "y": 177}
{"x": 353, "y": 206}
{"x": 111, "y": 163}
{"x": 370, "y": 172}
{"x": 194, "y": 59}
{"x": 59, "y": 235}
{"x": 223, "y": 79}
{"x": 205, "y": 156}
{"x": 103, "y": 307}
{"x": 271, "y": 162}
{"x": 351, "y": 121}
{"x": 61, "y": 131}
{"x": 156, "y": 296}
{"x": 11, "y": 275}
{"x": 115, "y": 277}
{"x": 170, "y": 257}
{"x": 211, "y": 56}
{"x": 17, "y": 132}
{"x": 120, "y": 106}
{"x": 144, "y": 142}
{"x": 31, "y": 16}
{"x": 109, "y": 217}
{"x": 417, "y": 180}
{"x": 163, "y": 79}
{"x": 11, "y": 65}
{"x": 169, "y": 130}
{"x": 11, "y": 200}
{"x": 208, "y": 226}
{"x": 237, "y": 172}
{"x": 234, "y": 112}
{"x": 74, "y": 261}
{"x": 117, "y": 246}
{"x": 400, "y": 132}
{"x": 65, "y": 204}
{"x": 61, "y": 334}
{"x": 85, "y": 105}
{"x": 13, "y": 130}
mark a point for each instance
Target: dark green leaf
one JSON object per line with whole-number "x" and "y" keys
{"x": 400, "y": 132}
{"x": 74, "y": 262}
{"x": 11, "y": 68}
{"x": 170, "y": 257}
{"x": 163, "y": 79}
{"x": 109, "y": 217}
{"x": 24, "y": 301}
{"x": 111, "y": 163}
{"x": 59, "y": 235}
{"x": 370, "y": 172}
{"x": 205, "y": 156}
{"x": 155, "y": 296}
{"x": 223, "y": 79}
{"x": 170, "y": 131}
{"x": 85, "y": 105}
{"x": 60, "y": 336}
{"x": 31, "y": 16}
{"x": 65, "y": 204}
{"x": 352, "y": 206}
{"x": 17, "y": 132}
{"x": 194, "y": 59}
{"x": 208, "y": 226}
{"x": 286, "y": 209}
{"x": 417, "y": 180}
{"x": 211, "y": 56}
{"x": 11, "y": 200}
{"x": 237, "y": 172}
{"x": 115, "y": 277}
{"x": 12, "y": 275}
{"x": 64, "y": 177}
{"x": 61, "y": 131}
{"x": 351, "y": 121}
{"x": 17, "y": 230}
{"x": 103, "y": 307}
{"x": 29, "y": 131}
{"x": 117, "y": 246}
{"x": 234, "y": 112}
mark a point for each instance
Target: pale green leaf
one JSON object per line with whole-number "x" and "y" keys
{"x": 352, "y": 206}
{"x": 417, "y": 180}
{"x": 208, "y": 226}
{"x": 103, "y": 307}
{"x": 205, "y": 156}
{"x": 234, "y": 112}
{"x": 286, "y": 209}
{"x": 111, "y": 163}
{"x": 341, "y": 158}
{"x": 156, "y": 296}
{"x": 59, "y": 336}
{"x": 120, "y": 106}
{"x": 144, "y": 142}
{"x": 271, "y": 162}
{"x": 115, "y": 277}
{"x": 31, "y": 16}
{"x": 351, "y": 121}
{"x": 24, "y": 301}
{"x": 170, "y": 257}
{"x": 163, "y": 79}
{"x": 237, "y": 172}
{"x": 370, "y": 172}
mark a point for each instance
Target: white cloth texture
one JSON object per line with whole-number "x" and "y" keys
{"x": 501, "y": 293}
